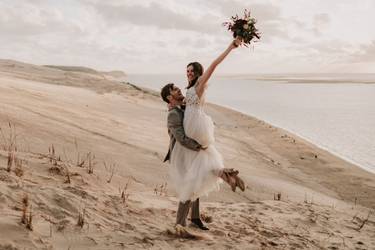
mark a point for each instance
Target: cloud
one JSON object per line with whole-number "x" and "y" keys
{"x": 161, "y": 36}
{"x": 42, "y": 32}
{"x": 155, "y": 15}
{"x": 366, "y": 53}
{"x": 320, "y": 22}
{"x": 321, "y": 19}
{"x": 271, "y": 23}
{"x": 24, "y": 19}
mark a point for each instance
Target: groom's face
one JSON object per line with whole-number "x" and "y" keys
{"x": 176, "y": 94}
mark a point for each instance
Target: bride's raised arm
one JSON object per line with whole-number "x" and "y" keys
{"x": 203, "y": 79}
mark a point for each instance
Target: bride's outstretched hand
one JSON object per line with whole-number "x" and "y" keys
{"x": 203, "y": 79}
{"x": 237, "y": 42}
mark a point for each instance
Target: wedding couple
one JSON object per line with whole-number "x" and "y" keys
{"x": 196, "y": 165}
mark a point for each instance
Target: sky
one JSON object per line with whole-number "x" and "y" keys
{"x": 159, "y": 37}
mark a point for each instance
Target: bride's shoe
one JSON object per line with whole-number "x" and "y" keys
{"x": 225, "y": 175}
{"x": 230, "y": 176}
{"x": 240, "y": 183}
{"x": 231, "y": 182}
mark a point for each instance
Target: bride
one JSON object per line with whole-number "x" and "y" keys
{"x": 196, "y": 173}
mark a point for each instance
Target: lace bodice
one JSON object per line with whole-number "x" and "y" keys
{"x": 192, "y": 98}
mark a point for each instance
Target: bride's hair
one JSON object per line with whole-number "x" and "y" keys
{"x": 198, "y": 71}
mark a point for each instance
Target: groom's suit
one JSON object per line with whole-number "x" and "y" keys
{"x": 177, "y": 133}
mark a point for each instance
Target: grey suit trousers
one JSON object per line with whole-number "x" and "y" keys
{"x": 183, "y": 210}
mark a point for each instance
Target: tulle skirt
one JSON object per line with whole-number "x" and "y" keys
{"x": 195, "y": 173}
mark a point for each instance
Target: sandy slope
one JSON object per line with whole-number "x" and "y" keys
{"x": 79, "y": 112}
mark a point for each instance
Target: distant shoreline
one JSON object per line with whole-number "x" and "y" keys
{"x": 294, "y": 133}
{"x": 319, "y": 79}
{"x": 293, "y": 78}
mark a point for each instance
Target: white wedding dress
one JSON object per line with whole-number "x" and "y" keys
{"x": 195, "y": 173}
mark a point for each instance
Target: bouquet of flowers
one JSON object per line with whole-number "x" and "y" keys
{"x": 243, "y": 27}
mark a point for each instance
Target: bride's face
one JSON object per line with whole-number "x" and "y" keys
{"x": 190, "y": 73}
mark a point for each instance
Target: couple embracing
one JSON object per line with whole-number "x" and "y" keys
{"x": 197, "y": 167}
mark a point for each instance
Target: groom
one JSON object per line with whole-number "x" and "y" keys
{"x": 173, "y": 96}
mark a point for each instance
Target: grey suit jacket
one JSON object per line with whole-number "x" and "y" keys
{"x": 177, "y": 133}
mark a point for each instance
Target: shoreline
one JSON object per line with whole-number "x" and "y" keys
{"x": 324, "y": 78}
{"x": 327, "y": 170}
{"x": 371, "y": 171}
{"x": 289, "y": 78}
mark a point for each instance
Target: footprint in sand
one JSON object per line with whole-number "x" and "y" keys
{"x": 218, "y": 233}
{"x": 247, "y": 210}
{"x": 224, "y": 215}
{"x": 236, "y": 223}
{"x": 226, "y": 223}
{"x": 6, "y": 178}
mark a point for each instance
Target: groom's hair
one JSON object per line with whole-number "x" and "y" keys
{"x": 166, "y": 91}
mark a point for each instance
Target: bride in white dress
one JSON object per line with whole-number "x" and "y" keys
{"x": 196, "y": 173}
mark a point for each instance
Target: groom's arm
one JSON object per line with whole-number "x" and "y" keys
{"x": 175, "y": 126}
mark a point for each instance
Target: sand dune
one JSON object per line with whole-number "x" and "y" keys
{"x": 114, "y": 75}
{"x": 86, "y": 145}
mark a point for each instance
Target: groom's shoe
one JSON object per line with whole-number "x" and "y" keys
{"x": 197, "y": 222}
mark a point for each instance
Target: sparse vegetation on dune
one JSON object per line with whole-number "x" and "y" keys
{"x": 91, "y": 205}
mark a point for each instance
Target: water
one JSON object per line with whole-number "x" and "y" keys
{"x": 337, "y": 117}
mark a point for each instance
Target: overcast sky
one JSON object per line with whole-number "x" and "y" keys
{"x": 146, "y": 36}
